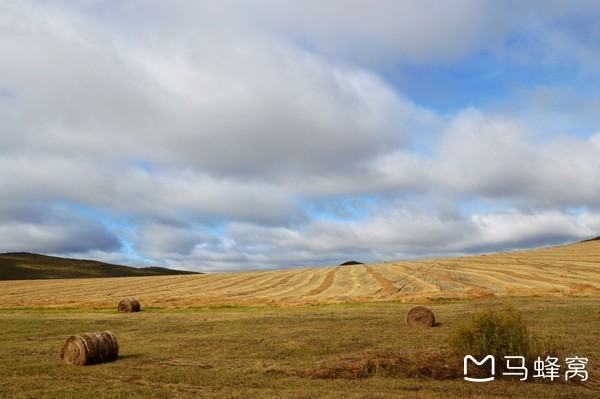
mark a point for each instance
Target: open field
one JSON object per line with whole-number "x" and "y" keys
{"x": 321, "y": 351}
{"x": 333, "y": 332}
{"x": 564, "y": 270}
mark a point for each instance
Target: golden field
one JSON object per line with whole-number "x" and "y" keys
{"x": 562, "y": 270}
{"x": 329, "y": 332}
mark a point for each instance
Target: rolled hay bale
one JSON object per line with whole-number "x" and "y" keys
{"x": 420, "y": 316}
{"x": 90, "y": 348}
{"x": 129, "y": 305}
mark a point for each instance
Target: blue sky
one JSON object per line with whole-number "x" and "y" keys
{"x": 218, "y": 136}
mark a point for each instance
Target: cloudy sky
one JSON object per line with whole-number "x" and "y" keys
{"x": 239, "y": 135}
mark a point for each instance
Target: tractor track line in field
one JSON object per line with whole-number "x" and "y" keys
{"x": 280, "y": 282}
{"x": 327, "y": 282}
{"x": 387, "y": 286}
{"x": 413, "y": 276}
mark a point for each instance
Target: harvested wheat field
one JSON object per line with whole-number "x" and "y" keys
{"x": 562, "y": 270}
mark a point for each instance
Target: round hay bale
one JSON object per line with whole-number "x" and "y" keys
{"x": 129, "y": 305}
{"x": 420, "y": 316}
{"x": 90, "y": 348}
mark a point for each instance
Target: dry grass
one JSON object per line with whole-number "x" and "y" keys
{"x": 328, "y": 351}
{"x": 198, "y": 338}
{"x": 556, "y": 271}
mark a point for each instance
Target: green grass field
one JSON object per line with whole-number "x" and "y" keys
{"x": 326, "y": 351}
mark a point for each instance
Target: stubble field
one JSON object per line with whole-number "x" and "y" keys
{"x": 563, "y": 270}
{"x": 337, "y": 332}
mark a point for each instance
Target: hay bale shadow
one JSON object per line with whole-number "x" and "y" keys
{"x": 131, "y": 356}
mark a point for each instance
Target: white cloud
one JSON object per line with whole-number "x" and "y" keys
{"x": 498, "y": 157}
{"x": 217, "y": 134}
{"x": 510, "y": 229}
{"x": 384, "y": 29}
{"x": 163, "y": 241}
{"x": 52, "y": 228}
{"x": 226, "y": 105}
{"x": 393, "y": 234}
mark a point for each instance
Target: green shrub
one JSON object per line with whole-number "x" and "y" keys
{"x": 498, "y": 333}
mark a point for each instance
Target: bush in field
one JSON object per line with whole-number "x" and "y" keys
{"x": 498, "y": 333}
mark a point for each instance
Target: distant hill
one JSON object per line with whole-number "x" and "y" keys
{"x": 29, "y": 266}
{"x": 592, "y": 239}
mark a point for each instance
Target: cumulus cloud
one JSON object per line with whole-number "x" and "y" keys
{"x": 272, "y": 108}
{"x": 385, "y": 29}
{"x": 394, "y": 233}
{"x": 51, "y": 228}
{"x": 223, "y": 135}
{"x": 516, "y": 229}
{"x": 499, "y": 158}
{"x": 168, "y": 241}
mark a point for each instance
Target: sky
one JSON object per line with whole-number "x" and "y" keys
{"x": 242, "y": 135}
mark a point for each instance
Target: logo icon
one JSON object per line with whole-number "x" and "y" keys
{"x": 479, "y": 363}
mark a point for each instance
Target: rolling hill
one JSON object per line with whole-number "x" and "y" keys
{"x": 28, "y": 266}
{"x": 555, "y": 271}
